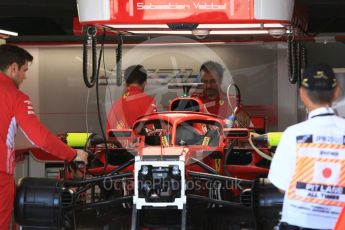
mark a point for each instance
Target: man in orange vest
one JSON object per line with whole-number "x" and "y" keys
{"x": 310, "y": 159}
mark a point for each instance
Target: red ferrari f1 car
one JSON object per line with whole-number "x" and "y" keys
{"x": 182, "y": 168}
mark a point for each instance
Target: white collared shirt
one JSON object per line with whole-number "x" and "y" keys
{"x": 322, "y": 126}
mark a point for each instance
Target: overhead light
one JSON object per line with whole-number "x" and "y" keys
{"x": 324, "y": 39}
{"x": 200, "y": 26}
{"x": 139, "y": 26}
{"x": 229, "y": 26}
{"x": 241, "y": 26}
{"x": 274, "y": 25}
{"x": 277, "y": 32}
{"x": 176, "y": 32}
{"x": 237, "y": 32}
{"x": 203, "y": 30}
{"x": 8, "y": 33}
{"x": 199, "y": 32}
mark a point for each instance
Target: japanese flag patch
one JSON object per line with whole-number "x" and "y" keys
{"x": 326, "y": 172}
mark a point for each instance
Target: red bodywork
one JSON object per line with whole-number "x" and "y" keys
{"x": 214, "y": 156}
{"x": 215, "y": 164}
{"x": 146, "y": 139}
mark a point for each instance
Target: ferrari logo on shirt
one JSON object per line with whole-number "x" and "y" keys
{"x": 125, "y": 95}
{"x": 120, "y": 125}
{"x": 221, "y": 102}
{"x": 154, "y": 108}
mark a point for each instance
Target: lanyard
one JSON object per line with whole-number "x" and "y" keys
{"x": 323, "y": 115}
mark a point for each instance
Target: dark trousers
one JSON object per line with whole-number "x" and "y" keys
{"x": 286, "y": 226}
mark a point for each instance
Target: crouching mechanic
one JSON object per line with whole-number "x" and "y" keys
{"x": 16, "y": 109}
{"x": 309, "y": 162}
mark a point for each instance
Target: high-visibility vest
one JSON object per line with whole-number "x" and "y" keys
{"x": 319, "y": 179}
{"x": 340, "y": 225}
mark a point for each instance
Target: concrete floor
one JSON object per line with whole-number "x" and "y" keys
{"x": 198, "y": 218}
{"x": 215, "y": 219}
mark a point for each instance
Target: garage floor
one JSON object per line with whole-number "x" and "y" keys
{"x": 197, "y": 218}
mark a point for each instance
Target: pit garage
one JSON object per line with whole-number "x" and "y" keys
{"x": 180, "y": 167}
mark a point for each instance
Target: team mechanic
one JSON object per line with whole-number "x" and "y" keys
{"x": 309, "y": 162}
{"x": 16, "y": 109}
{"x": 214, "y": 99}
{"x": 133, "y": 103}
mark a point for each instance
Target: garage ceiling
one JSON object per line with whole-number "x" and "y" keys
{"x": 54, "y": 17}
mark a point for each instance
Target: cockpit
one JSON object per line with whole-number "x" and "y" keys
{"x": 198, "y": 132}
{"x": 189, "y": 132}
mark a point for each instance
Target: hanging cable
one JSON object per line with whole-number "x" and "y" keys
{"x": 238, "y": 96}
{"x": 298, "y": 61}
{"x": 304, "y": 57}
{"x": 90, "y": 38}
{"x": 98, "y": 105}
{"x": 230, "y": 120}
{"x": 291, "y": 52}
{"x": 119, "y": 60}
{"x": 107, "y": 81}
{"x": 95, "y": 80}
{"x": 258, "y": 151}
{"x": 297, "y": 58}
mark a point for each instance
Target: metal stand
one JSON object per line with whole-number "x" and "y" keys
{"x": 135, "y": 219}
{"x": 184, "y": 218}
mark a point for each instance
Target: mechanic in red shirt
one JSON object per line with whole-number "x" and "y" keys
{"x": 133, "y": 103}
{"x": 214, "y": 99}
{"x": 16, "y": 109}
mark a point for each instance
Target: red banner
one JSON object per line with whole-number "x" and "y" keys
{"x": 182, "y": 11}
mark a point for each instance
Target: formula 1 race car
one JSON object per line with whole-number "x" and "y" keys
{"x": 170, "y": 169}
